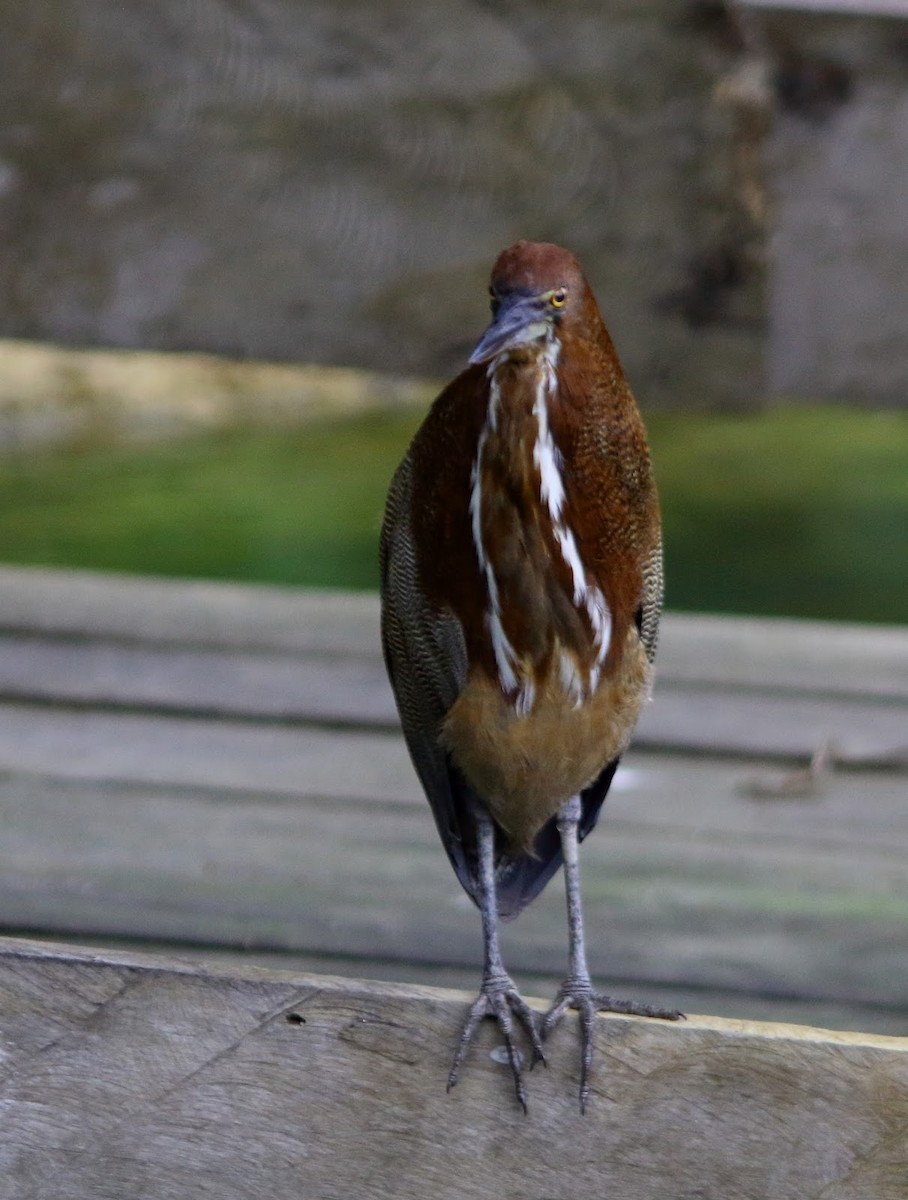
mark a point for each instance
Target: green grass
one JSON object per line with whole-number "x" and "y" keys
{"x": 801, "y": 511}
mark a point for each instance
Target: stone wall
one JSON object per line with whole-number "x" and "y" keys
{"x": 330, "y": 182}
{"x": 838, "y": 294}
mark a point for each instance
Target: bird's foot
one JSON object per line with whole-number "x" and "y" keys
{"x": 579, "y": 993}
{"x": 498, "y": 997}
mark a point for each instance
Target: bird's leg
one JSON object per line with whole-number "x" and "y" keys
{"x": 498, "y": 996}
{"x": 577, "y": 990}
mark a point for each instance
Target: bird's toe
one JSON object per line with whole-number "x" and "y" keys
{"x": 580, "y": 995}
{"x": 499, "y": 999}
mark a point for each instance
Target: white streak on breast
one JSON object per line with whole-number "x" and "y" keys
{"x": 505, "y": 655}
{"x": 571, "y": 555}
{"x": 546, "y": 455}
{"x": 586, "y": 595}
{"x": 569, "y": 675}
{"x": 526, "y": 698}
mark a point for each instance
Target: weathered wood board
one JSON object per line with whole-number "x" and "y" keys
{"x": 803, "y": 656}
{"x": 125, "y": 1076}
{"x": 726, "y": 685}
{"x": 219, "y": 768}
{"x": 722, "y": 904}
{"x": 271, "y": 686}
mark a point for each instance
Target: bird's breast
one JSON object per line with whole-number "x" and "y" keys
{"x": 546, "y": 621}
{"x": 526, "y": 766}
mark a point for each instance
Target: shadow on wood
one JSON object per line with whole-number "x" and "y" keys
{"x": 129, "y": 1076}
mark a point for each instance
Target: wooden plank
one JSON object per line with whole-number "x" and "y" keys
{"x": 687, "y": 885}
{"x": 804, "y": 656}
{"x": 824, "y": 1012}
{"x": 129, "y": 1077}
{"x": 821, "y": 657}
{"x": 857, "y": 8}
{"x": 354, "y": 691}
{"x": 139, "y": 748}
{"x": 222, "y": 767}
{"x": 88, "y": 604}
{"x": 373, "y": 767}
{"x": 774, "y": 724}
{"x": 213, "y": 681}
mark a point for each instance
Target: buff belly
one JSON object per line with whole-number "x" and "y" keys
{"x": 526, "y": 766}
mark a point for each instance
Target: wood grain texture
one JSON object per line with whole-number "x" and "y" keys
{"x": 126, "y": 1076}
{"x": 150, "y": 609}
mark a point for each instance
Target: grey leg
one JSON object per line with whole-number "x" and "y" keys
{"x": 577, "y": 990}
{"x": 498, "y": 997}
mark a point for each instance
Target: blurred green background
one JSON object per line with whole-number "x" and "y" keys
{"x": 801, "y": 511}
{"x": 256, "y": 186}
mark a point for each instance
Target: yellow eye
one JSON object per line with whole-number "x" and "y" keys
{"x": 558, "y": 298}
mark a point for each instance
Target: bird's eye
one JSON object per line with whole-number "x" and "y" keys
{"x": 494, "y": 302}
{"x": 558, "y": 298}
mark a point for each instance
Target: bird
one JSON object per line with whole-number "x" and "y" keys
{"x": 521, "y": 592}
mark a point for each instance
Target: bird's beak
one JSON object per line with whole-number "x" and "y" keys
{"x": 519, "y": 321}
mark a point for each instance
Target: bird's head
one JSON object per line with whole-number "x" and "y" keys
{"x": 537, "y": 289}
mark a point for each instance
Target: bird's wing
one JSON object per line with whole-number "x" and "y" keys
{"x": 650, "y": 610}
{"x": 426, "y": 658}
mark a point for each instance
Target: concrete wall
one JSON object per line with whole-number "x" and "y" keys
{"x": 330, "y": 182}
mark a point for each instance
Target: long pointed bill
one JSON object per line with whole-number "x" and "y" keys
{"x": 519, "y": 322}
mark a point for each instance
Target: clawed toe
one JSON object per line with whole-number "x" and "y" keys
{"x": 580, "y": 995}
{"x": 500, "y": 999}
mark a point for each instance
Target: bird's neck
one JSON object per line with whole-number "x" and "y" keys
{"x": 544, "y": 612}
